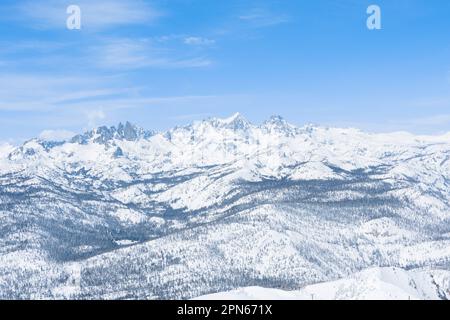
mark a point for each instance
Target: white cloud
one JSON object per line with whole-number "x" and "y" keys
{"x": 98, "y": 14}
{"x": 102, "y": 53}
{"x": 39, "y": 92}
{"x": 119, "y": 53}
{"x": 92, "y": 111}
{"x": 93, "y": 116}
{"x": 199, "y": 41}
{"x": 259, "y": 17}
{"x": 140, "y": 53}
{"x": 56, "y": 94}
{"x": 198, "y": 62}
{"x": 56, "y": 135}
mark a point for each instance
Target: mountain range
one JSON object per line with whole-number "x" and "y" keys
{"x": 126, "y": 213}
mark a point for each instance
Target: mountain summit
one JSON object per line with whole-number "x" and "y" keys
{"x": 127, "y": 131}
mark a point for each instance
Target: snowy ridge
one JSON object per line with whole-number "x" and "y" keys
{"x": 371, "y": 284}
{"x": 5, "y": 149}
{"x": 140, "y": 214}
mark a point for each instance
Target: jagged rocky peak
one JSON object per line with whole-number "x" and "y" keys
{"x": 235, "y": 122}
{"x": 118, "y": 153}
{"x": 131, "y": 132}
{"x": 277, "y": 124}
{"x": 104, "y": 134}
{"x": 276, "y": 121}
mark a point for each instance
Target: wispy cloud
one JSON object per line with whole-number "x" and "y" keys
{"x": 261, "y": 17}
{"x": 199, "y": 41}
{"x": 89, "y": 100}
{"x": 94, "y": 116}
{"x": 105, "y": 105}
{"x": 141, "y": 53}
{"x": 115, "y": 54}
{"x": 41, "y": 46}
{"x": 40, "y": 92}
{"x": 98, "y": 14}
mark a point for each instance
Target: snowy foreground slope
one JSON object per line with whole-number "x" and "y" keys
{"x": 125, "y": 213}
{"x": 371, "y": 284}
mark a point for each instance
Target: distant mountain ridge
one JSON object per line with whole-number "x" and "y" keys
{"x": 104, "y": 134}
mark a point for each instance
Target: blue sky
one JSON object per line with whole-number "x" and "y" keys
{"x": 168, "y": 62}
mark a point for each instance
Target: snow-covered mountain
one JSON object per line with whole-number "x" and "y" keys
{"x": 371, "y": 284}
{"x": 5, "y": 149}
{"x": 221, "y": 204}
